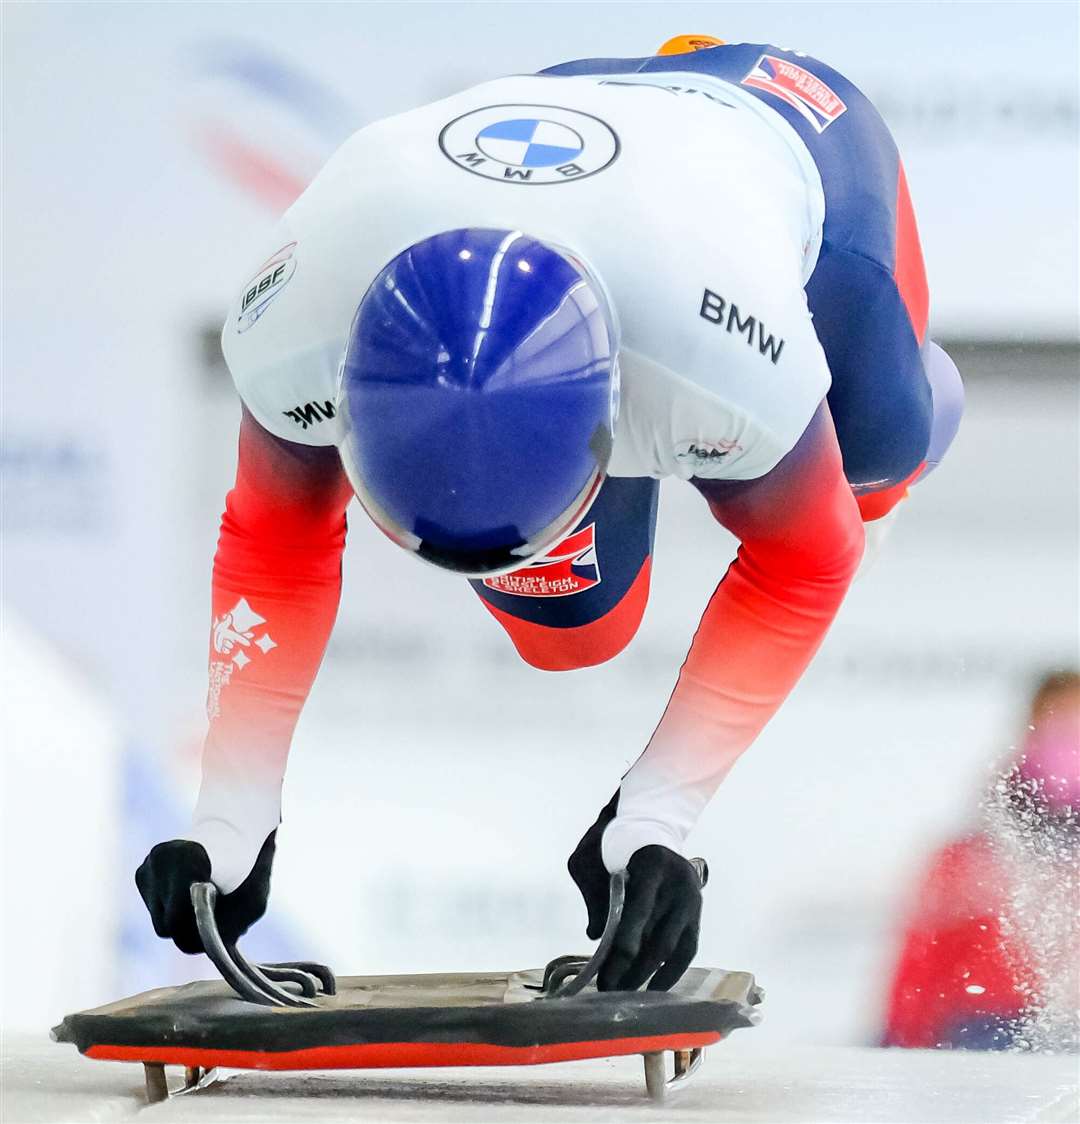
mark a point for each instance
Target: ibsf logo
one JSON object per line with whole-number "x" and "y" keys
{"x": 803, "y": 91}
{"x": 570, "y": 567}
{"x": 529, "y": 144}
{"x": 270, "y": 278}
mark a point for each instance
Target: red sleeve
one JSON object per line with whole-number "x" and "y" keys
{"x": 276, "y": 585}
{"x": 955, "y": 961}
{"x": 801, "y": 543}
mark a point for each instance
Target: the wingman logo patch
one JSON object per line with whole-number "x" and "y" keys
{"x": 239, "y": 636}
{"x": 569, "y": 567}
{"x": 804, "y": 92}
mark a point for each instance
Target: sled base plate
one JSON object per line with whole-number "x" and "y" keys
{"x": 461, "y": 1019}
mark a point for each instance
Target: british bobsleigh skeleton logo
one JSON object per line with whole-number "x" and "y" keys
{"x": 571, "y": 566}
{"x": 529, "y": 144}
{"x": 270, "y": 278}
{"x": 235, "y": 634}
{"x": 814, "y": 101}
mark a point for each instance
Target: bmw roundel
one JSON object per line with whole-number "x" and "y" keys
{"x": 529, "y": 144}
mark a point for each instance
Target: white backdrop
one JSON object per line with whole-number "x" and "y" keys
{"x": 438, "y": 785}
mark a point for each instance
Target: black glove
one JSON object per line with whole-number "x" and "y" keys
{"x": 658, "y": 933}
{"x": 165, "y": 880}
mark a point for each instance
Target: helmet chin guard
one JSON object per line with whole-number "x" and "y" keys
{"x": 479, "y": 393}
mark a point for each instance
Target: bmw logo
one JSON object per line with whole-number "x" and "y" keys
{"x": 529, "y": 144}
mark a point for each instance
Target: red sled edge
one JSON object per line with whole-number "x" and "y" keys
{"x": 402, "y": 1055}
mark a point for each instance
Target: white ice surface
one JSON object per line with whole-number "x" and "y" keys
{"x": 742, "y": 1080}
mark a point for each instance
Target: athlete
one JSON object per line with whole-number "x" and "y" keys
{"x": 499, "y": 321}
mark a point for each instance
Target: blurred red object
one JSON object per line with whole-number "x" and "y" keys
{"x": 959, "y": 974}
{"x": 990, "y": 955}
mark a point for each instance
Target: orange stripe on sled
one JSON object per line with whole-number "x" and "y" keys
{"x": 401, "y": 1055}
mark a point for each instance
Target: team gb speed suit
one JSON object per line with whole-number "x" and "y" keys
{"x": 745, "y": 210}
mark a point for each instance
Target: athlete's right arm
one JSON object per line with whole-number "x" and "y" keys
{"x": 276, "y": 586}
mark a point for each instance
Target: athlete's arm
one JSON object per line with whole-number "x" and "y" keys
{"x": 801, "y": 541}
{"x": 276, "y": 585}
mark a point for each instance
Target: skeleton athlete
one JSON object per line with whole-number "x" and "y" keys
{"x": 500, "y": 320}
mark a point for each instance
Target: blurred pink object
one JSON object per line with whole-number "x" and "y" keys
{"x": 1051, "y": 758}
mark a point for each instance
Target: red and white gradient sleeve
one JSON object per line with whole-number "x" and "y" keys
{"x": 277, "y": 582}
{"x": 801, "y": 542}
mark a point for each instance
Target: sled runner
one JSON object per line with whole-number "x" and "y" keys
{"x": 299, "y": 1016}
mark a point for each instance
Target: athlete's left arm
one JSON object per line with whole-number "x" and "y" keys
{"x": 801, "y": 542}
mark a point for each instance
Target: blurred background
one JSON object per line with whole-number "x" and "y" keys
{"x": 437, "y": 785}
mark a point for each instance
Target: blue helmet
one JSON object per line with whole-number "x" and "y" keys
{"x": 479, "y": 392}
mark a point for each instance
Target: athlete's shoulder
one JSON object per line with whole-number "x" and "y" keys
{"x": 288, "y": 321}
{"x": 281, "y": 349}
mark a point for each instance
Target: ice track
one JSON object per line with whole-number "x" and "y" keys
{"x": 741, "y": 1082}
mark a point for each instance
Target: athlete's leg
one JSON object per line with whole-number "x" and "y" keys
{"x": 581, "y": 603}
{"x": 893, "y": 393}
{"x": 879, "y": 398}
{"x": 896, "y": 398}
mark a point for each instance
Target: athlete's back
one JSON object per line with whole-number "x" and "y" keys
{"x": 699, "y": 215}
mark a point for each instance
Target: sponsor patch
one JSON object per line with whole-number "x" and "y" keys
{"x": 718, "y": 310}
{"x": 705, "y": 454}
{"x": 569, "y": 567}
{"x": 803, "y": 91}
{"x": 529, "y": 144}
{"x": 270, "y": 278}
{"x": 311, "y": 413}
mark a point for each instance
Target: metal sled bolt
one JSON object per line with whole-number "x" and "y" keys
{"x": 244, "y": 978}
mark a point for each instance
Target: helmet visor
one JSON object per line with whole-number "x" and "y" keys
{"x": 483, "y": 563}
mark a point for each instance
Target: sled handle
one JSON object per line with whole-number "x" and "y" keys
{"x": 588, "y": 971}
{"x": 570, "y": 975}
{"x": 248, "y": 980}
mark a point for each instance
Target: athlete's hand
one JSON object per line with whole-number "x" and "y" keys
{"x": 586, "y": 866}
{"x": 658, "y": 933}
{"x": 165, "y": 878}
{"x": 657, "y": 937}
